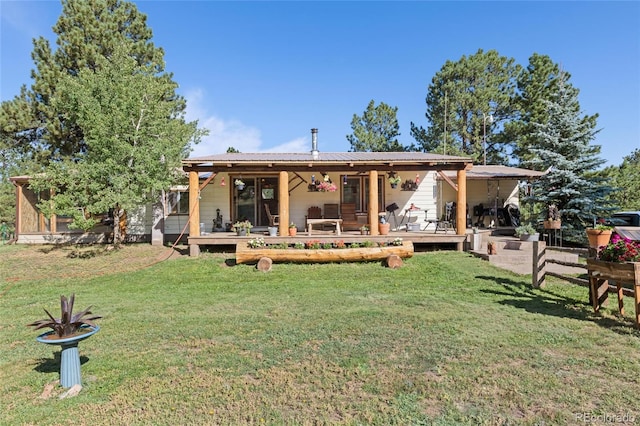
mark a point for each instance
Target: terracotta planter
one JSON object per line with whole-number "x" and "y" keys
{"x": 384, "y": 228}
{"x": 598, "y": 238}
{"x": 293, "y": 232}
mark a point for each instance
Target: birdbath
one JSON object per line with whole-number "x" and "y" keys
{"x": 69, "y": 355}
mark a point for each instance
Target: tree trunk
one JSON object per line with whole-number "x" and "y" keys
{"x": 393, "y": 261}
{"x": 119, "y": 226}
{"x": 264, "y": 264}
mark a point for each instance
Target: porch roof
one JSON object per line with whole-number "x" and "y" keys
{"x": 325, "y": 161}
{"x": 497, "y": 172}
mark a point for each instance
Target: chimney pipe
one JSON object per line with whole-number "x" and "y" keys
{"x": 314, "y": 144}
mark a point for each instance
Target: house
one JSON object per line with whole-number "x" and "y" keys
{"x": 493, "y": 194}
{"x": 287, "y": 185}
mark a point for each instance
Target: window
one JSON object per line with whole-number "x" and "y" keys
{"x": 178, "y": 202}
{"x": 357, "y": 191}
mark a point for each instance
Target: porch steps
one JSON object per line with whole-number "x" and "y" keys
{"x": 517, "y": 256}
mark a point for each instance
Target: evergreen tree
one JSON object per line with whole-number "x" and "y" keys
{"x": 377, "y": 130}
{"x": 536, "y": 85}
{"x": 102, "y": 117}
{"x": 135, "y": 136}
{"x": 472, "y": 97}
{"x": 87, "y": 30}
{"x": 563, "y": 147}
{"x": 626, "y": 179}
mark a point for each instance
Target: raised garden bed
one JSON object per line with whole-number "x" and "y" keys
{"x": 316, "y": 252}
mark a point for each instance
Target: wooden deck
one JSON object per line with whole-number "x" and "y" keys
{"x": 418, "y": 238}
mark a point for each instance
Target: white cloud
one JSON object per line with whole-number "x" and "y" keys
{"x": 297, "y": 145}
{"x": 231, "y": 133}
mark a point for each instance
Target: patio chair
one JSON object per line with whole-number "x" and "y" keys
{"x": 274, "y": 219}
{"x": 349, "y": 218}
{"x": 331, "y": 211}
{"x": 314, "y": 212}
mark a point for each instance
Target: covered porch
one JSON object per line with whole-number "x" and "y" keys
{"x": 361, "y": 177}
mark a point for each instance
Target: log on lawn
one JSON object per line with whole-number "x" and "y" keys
{"x": 264, "y": 264}
{"x": 393, "y": 261}
{"x": 247, "y": 255}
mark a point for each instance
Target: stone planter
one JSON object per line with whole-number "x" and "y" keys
{"x": 69, "y": 356}
{"x": 475, "y": 241}
{"x": 529, "y": 237}
{"x": 273, "y": 231}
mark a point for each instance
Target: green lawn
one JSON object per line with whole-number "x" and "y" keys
{"x": 446, "y": 339}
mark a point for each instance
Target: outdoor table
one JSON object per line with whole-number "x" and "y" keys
{"x": 336, "y": 222}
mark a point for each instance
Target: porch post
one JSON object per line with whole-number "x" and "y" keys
{"x": 283, "y": 202}
{"x": 19, "y": 196}
{"x": 194, "y": 205}
{"x": 461, "y": 205}
{"x": 373, "y": 202}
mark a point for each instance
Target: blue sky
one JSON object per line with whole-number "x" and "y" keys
{"x": 260, "y": 75}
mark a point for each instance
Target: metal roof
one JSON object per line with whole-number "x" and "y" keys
{"x": 498, "y": 172}
{"x": 327, "y": 160}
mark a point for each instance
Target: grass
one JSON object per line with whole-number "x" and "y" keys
{"x": 446, "y": 339}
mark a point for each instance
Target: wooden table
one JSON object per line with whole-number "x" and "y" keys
{"x": 336, "y": 222}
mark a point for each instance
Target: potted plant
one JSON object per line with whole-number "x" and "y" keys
{"x": 526, "y": 233}
{"x": 599, "y": 235}
{"x": 242, "y": 228}
{"x": 394, "y": 180}
{"x": 364, "y": 230}
{"x": 67, "y": 331}
{"x": 384, "y": 226}
{"x": 239, "y": 184}
{"x": 553, "y": 218}
{"x": 292, "y": 229}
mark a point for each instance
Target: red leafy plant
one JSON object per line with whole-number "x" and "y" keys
{"x": 620, "y": 250}
{"x": 68, "y": 323}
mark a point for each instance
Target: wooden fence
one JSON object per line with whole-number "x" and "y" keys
{"x": 540, "y": 261}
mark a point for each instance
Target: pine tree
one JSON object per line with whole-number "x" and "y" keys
{"x": 87, "y": 30}
{"x": 626, "y": 180}
{"x": 564, "y": 149}
{"x": 467, "y": 100}
{"x": 377, "y": 130}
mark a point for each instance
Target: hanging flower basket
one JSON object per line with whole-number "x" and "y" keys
{"x": 327, "y": 187}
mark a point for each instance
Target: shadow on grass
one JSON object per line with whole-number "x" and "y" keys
{"x": 52, "y": 365}
{"x": 83, "y": 251}
{"x": 542, "y": 301}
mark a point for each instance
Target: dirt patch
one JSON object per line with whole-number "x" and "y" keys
{"x": 18, "y": 263}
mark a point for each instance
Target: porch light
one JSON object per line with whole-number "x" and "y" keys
{"x": 344, "y": 179}
{"x": 417, "y": 178}
{"x": 222, "y": 182}
{"x": 313, "y": 179}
